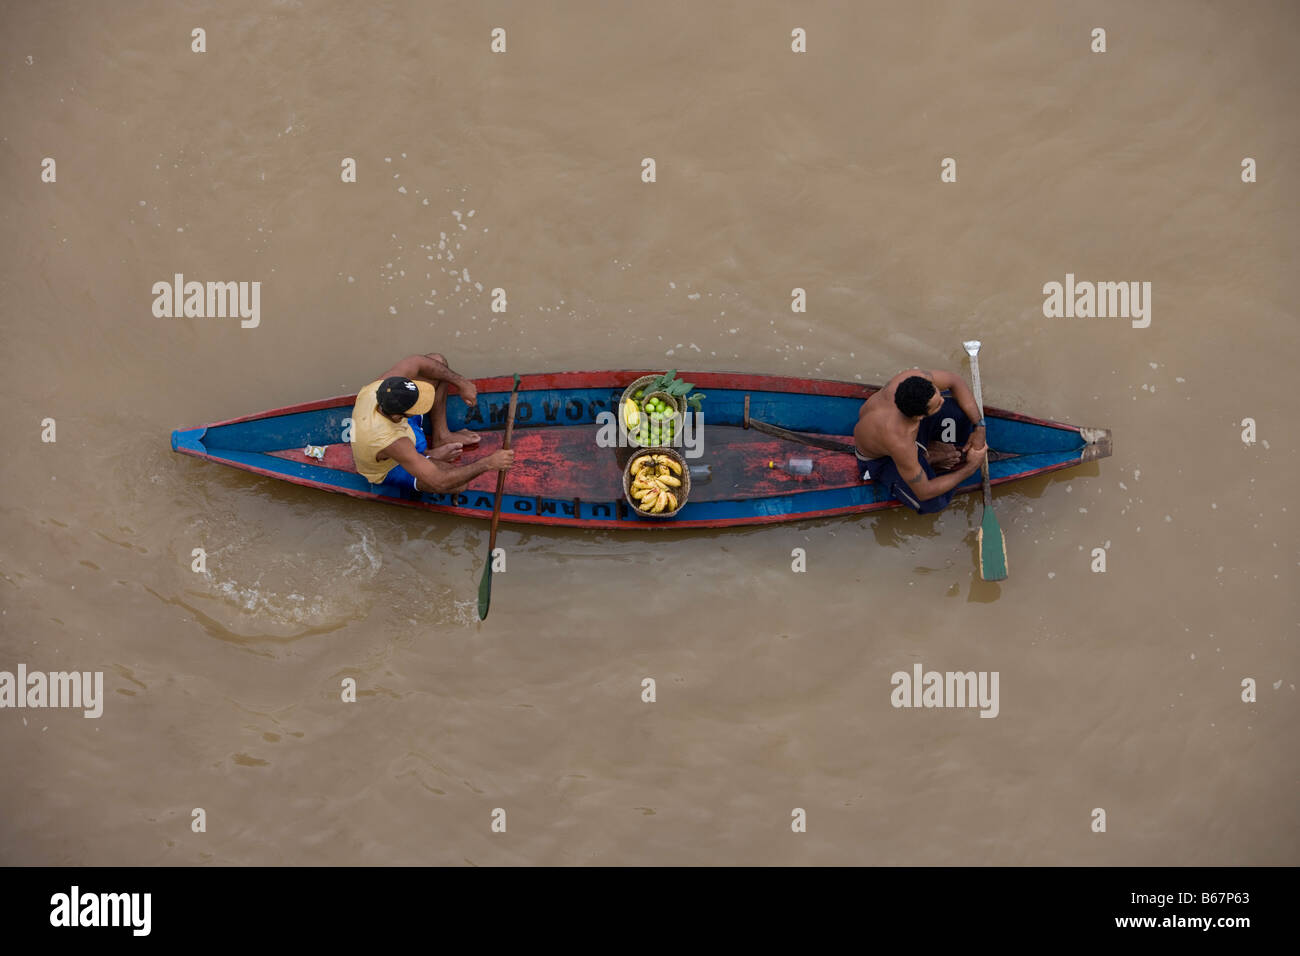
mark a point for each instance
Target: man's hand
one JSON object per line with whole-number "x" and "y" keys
{"x": 975, "y": 457}
{"x": 976, "y": 440}
{"x": 501, "y": 459}
{"x": 468, "y": 392}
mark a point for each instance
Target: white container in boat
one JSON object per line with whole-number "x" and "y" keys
{"x": 794, "y": 466}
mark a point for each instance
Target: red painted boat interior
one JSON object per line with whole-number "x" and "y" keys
{"x": 566, "y": 463}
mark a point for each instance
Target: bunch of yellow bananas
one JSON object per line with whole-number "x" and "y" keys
{"x": 653, "y": 479}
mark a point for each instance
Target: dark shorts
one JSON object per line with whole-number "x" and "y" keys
{"x": 884, "y": 472}
{"x": 399, "y": 477}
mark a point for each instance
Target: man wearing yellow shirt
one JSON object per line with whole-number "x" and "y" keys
{"x": 388, "y": 443}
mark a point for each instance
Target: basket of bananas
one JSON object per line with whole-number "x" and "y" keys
{"x": 656, "y": 482}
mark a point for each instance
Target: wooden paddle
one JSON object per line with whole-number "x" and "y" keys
{"x": 485, "y": 583}
{"x": 992, "y": 542}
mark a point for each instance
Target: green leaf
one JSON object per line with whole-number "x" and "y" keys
{"x": 679, "y": 388}
{"x": 670, "y": 376}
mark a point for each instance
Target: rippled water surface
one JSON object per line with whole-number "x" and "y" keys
{"x": 1119, "y": 690}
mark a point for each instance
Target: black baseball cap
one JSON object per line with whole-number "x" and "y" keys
{"x": 401, "y": 396}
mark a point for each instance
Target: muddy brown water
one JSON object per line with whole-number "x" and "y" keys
{"x": 1119, "y": 690}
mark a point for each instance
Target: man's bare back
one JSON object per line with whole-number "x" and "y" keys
{"x": 882, "y": 429}
{"x": 889, "y": 427}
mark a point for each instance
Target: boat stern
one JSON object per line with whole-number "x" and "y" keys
{"x": 1097, "y": 444}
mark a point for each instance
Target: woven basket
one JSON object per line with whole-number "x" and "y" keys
{"x": 683, "y": 493}
{"x": 643, "y": 382}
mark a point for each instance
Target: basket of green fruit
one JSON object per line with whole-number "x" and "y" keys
{"x": 652, "y": 406}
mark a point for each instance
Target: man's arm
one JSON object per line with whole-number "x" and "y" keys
{"x": 924, "y": 487}
{"x": 432, "y": 368}
{"x": 965, "y": 399}
{"x": 439, "y": 478}
{"x": 961, "y": 393}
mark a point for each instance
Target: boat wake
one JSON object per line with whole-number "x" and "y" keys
{"x": 287, "y": 595}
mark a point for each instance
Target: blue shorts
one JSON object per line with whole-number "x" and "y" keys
{"x": 884, "y": 472}
{"x": 399, "y": 477}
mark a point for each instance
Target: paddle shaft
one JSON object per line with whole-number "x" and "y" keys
{"x": 816, "y": 441}
{"x": 979, "y": 403}
{"x": 485, "y": 582}
{"x": 501, "y": 476}
{"x": 830, "y": 444}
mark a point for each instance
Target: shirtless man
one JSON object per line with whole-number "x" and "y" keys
{"x": 897, "y": 438}
{"x": 388, "y": 443}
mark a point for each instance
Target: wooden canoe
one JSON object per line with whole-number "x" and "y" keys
{"x": 562, "y": 477}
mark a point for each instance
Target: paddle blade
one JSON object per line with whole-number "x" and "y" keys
{"x": 485, "y": 591}
{"x": 993, "y": 548}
